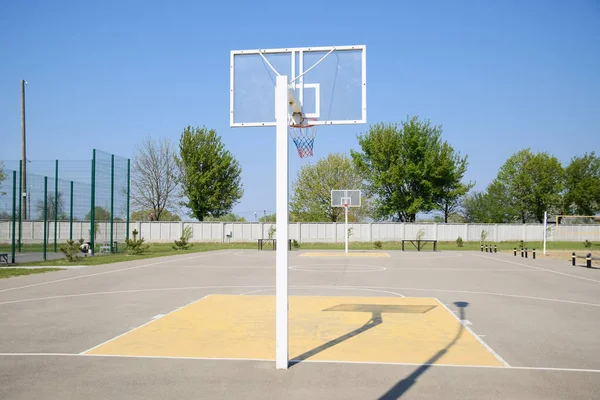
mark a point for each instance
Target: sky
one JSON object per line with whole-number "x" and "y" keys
{"x": 498, "y": 77}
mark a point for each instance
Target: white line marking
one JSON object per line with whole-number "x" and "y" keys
{"x": 538, "y": 268}
{"x": 466, "y": 322}
{"x": 557, "y": 369}
{"x": 298, "y": 287}
{"x": 335, "y": 288}
{"x": 476, "y": 337}
{"x": 158, "y": 316}
{"x": 141, "y": 326}
{"x": 482, "y": 335}
{"x": 334, "y": 269}
{"x": 103, "y": 273}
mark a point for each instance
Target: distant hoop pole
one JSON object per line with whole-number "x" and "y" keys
{"x": 545, "y": 229}
{"x": 346, "y": 224}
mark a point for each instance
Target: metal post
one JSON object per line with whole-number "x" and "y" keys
{"x": 45, "y": 215}
{"x": 515, "y": 251}
{"x": 346, "y": 226}
{"x": 21, "y": 200}
{"x": 55, "y": 204}
{"x": 23, "y": 149}
{"x": 282, "y": 203}
{"x": 588, "y": 260}
{"x": 533, "y": 254}
{"x": 93, "y": 205}
{"x": 71, "y": 213}
{"x": 14, "y": 217}
{"x": 112, "y": 199}
{"x": 573, "y": 259}
{"x": 545, "y": 229}
{"x": 128, "y": 189}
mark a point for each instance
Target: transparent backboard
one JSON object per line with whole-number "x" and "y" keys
{"x": 340, "y": 198}
{"x": 328, "y": 83}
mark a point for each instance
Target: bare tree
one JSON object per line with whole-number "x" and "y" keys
{"x": 154, "y": 177}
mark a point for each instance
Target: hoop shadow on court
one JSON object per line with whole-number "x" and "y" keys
{"x": 376, "y": 311}
{"x": 405, "y": 384}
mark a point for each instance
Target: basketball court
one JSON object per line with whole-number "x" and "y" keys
{"x": 410, "y": 324}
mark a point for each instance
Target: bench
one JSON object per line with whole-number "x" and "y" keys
{"x": 420, "y": 243}
{"x": 273, "y": 242}
{"x": 4, "y": 257}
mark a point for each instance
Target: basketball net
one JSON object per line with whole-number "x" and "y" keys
{"x": 303, "y": 134}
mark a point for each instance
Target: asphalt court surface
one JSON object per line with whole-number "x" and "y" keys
{"x": 202, "y": 326}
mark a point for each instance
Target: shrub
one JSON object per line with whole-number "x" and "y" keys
{"x": 71, "y": 250}
{"x": 420, "y": 234}
{"x": 587, "y": 244}
{"x": 182, "y": 243}
{"x": 272, "y": 231}
{"x": 459, "y": 242}
{"x": 378, "y": 244}
{"x": 295, "y": 244}
{"x": 522, "y": 244}
{"x": 135, "y": 245}
{"x": 484, "y": 236}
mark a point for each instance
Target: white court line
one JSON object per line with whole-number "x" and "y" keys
{"x": 300, "y": 287}
{"x": 484, "y": 344}
{"x": 335, "y": 288}
{"x": 557, "y": 369}
{"x": 154, "y": 319}
{"x": 103, "y": 273}
{"x": 538, "y": 268}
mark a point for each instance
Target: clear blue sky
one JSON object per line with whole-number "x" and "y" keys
{"x": 499, "y": 76}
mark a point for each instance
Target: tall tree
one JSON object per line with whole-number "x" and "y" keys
{"x": 533, "y": 184}
{"x": 311, "y": 199}
{"x": 582, "y": 181}
{"x": 406, "y": 167}
{"x": 209, "y": 174}
{"x": 154, "y": 177}
{"x": 51, "y": 205}
{"x": 449, "y": 186}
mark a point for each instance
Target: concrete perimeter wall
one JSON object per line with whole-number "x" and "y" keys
{"x": 33, "y": 231}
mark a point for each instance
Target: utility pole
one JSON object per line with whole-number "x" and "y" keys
{"x": 23, "y": 153}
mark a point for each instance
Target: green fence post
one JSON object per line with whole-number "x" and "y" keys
{"x": 112, "y": 199}
{"x": 93, "y": 205}
{"x": 20, "y": 203}
{"x": 71, "y": 214}
{"x": 14, "y": 216}
{"x": 55, "y": 205}
{"x": 128, "y": 189}
{"x": 45, "y": 214}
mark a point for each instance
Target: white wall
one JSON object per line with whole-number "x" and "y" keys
{"x": 33, "y": 231}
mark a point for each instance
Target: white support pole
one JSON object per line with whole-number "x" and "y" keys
{"x": 346, "y": 226}
{"x": 545, "y": 229}
{"x": 281, "y": 257}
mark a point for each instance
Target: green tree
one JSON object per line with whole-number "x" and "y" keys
{"x": 406, "y": 168}
{"x": 209, "y": 174}
{"x": 229, "y": 217}
{"x": 166, "y": 215}
{"x": 100, "y": 214}
{"x": 533, "y": 184}
{"x": 449, "y": 186}
{"x": 311, "y": 199}
{"x": 582, "y": 181}
{"x": 489, "y": 206}
{"x": 268, "y": 218}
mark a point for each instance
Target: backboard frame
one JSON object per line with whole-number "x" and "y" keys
{"x": 346, "y": 194}
{"x": 297, "y": 79}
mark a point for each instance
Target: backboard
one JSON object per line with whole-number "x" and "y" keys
{"x": 326, "y": 84}
{"x": 341, "y": 198}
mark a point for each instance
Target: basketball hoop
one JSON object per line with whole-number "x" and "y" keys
{"x": 303, "y": 134}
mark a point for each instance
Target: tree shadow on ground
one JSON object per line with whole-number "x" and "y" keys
{"x": 405, "y": 384}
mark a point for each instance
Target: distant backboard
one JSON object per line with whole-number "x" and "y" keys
{"x": 341, "y": 198}
{"x": 327, "y": 83}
